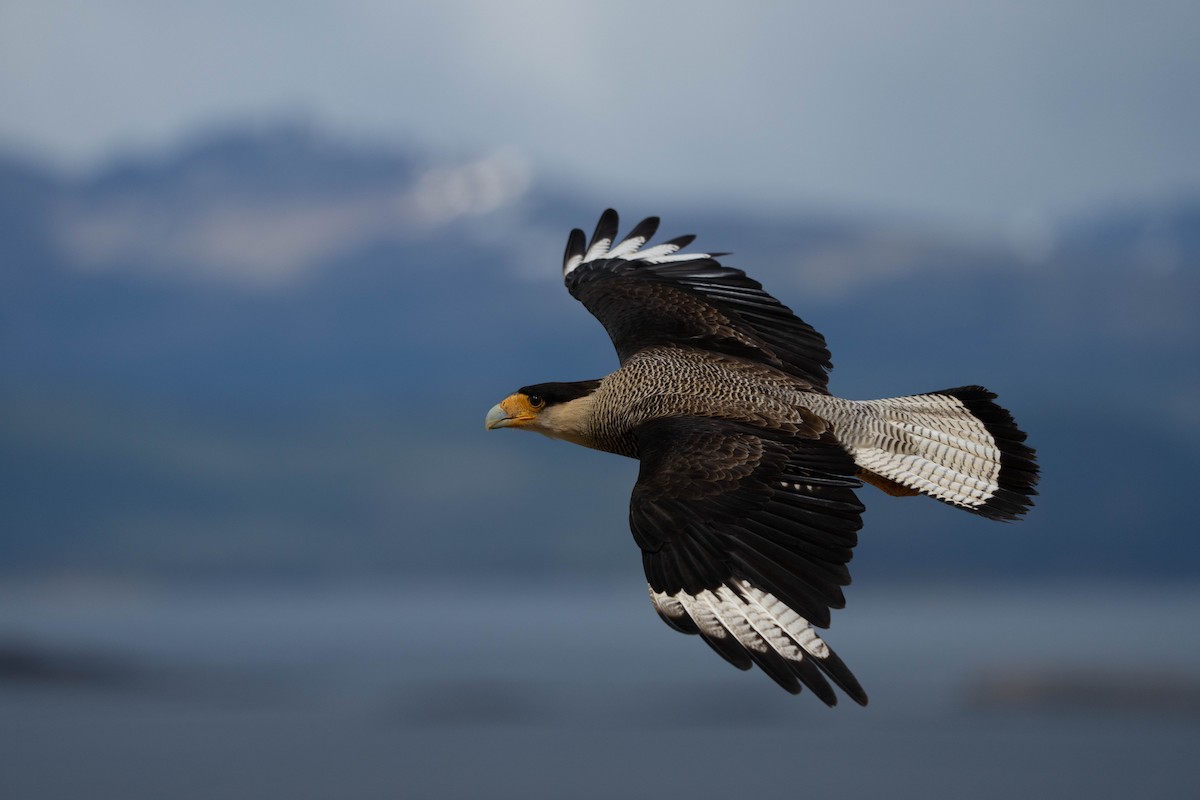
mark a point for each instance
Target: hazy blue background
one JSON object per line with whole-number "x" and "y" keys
{"x": 264, "y": 267}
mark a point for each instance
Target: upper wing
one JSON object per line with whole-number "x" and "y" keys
{"x": 660, "y": 296}
{"x": 745, "y": 539}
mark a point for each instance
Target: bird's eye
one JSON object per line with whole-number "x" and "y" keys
{"x": 536, "y": 402}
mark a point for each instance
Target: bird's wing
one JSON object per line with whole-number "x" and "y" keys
{"x": 745, "y": 538}
{"x": 658, "y": 295}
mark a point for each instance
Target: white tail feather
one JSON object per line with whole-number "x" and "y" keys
{"x": 931, "y": 443}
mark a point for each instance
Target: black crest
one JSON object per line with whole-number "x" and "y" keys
{"x": 561, "y": 392}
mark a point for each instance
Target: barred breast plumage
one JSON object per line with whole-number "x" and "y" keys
{"x": 673, "y": 381}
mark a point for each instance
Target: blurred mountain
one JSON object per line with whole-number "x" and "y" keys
{"x": 269, "y": 352}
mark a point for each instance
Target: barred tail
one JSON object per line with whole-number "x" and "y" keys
{"x": 955, "y": 445}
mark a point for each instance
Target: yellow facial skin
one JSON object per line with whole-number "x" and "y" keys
{"x": 515, "y": 411}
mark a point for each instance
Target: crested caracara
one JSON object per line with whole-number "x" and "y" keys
{"x": 744, "y": 506}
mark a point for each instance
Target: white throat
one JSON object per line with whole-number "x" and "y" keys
{"x": 569, "y": 421}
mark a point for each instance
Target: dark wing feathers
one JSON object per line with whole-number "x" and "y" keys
{"x": 722, "y": 509}
{"x": 680, "y": 242}
{"x": 634, "y": 240}
{"x": 713, "y": 491}
{"x": 605, "y": 233}
{"x": 682, "y": 299}
{"x": 576, "y": 247}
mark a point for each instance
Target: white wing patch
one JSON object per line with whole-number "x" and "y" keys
{"x": 675, "y": 258}
{"x": 598, "y": 250}
{"x": 627, "y": 247}
{"x": 652, "y": 254}
{"x": 758, "y": 620}
{"x": 572, "y": 263}
{"x": 630, "y": 249}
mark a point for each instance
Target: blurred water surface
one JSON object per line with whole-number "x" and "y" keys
{"x": 447, "y": 689}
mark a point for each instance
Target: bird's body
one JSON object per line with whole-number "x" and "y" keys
{"x": 744, "y": 508}
{"x": 688, "y": 383}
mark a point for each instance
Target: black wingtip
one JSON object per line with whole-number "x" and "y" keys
{"x": 606, "y": 228}
{"x": 575, "y": 246}
{"x": 681, "y": 242}
{"x": 833, "y": 666}
{"x": 644, "y": 229}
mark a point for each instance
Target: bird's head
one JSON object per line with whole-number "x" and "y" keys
{"x": 557, "y": 410}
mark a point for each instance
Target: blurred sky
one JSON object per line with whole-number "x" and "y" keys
{"x": 983, "y": 114}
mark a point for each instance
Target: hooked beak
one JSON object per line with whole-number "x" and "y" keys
{"x": 513, "y": 411}
{"x": 497, "y": 418}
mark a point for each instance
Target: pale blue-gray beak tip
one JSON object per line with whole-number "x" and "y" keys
{"x": 496, "y": 418}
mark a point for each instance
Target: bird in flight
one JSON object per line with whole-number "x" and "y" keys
{"x": 744, "y": 506}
